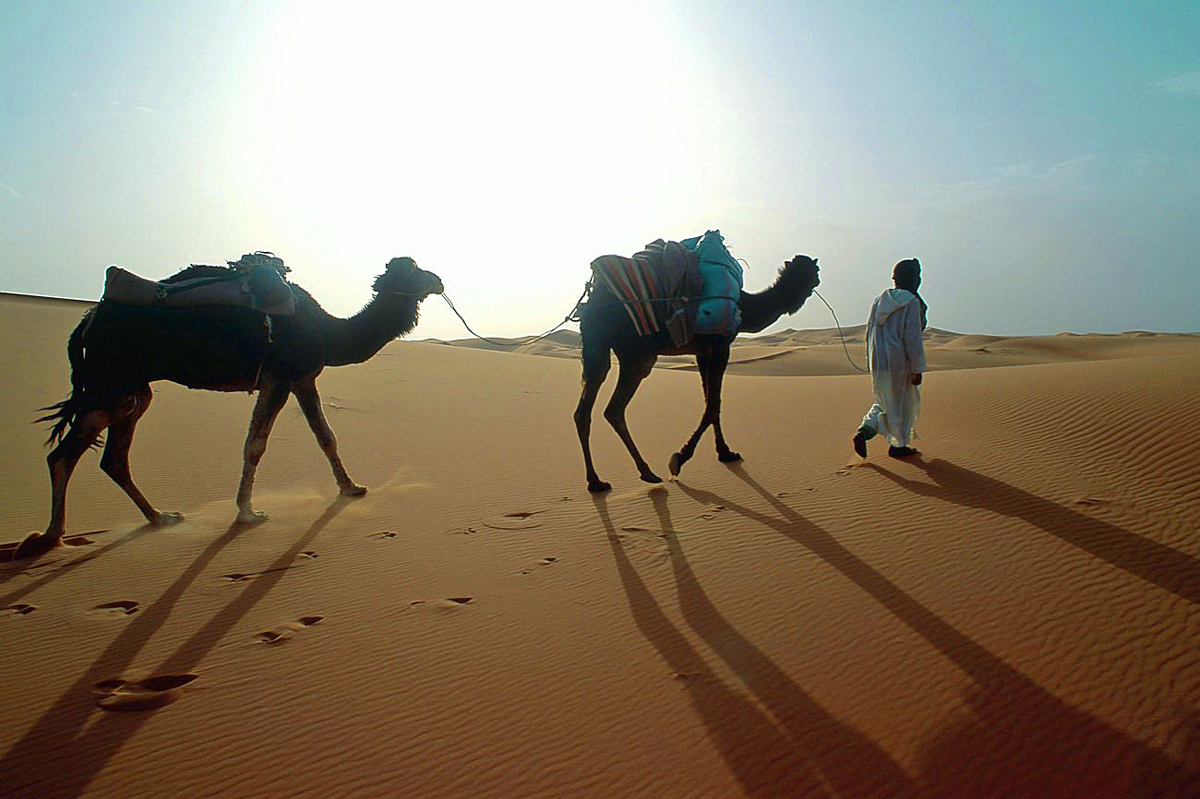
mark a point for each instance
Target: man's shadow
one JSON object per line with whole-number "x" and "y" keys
{"x": 1017, "y": 739}
{"x": 1155, "y": 563}
{"x": 796, "y": 750}
{"x": 68, "y": 746}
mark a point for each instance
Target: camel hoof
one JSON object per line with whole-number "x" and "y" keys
{"x": 354, "y": 491}
{"x": 676, "y": 464}
{"x": 166, "y": 519}
{"x": 599, "y": 487}
{"x": 728, "y": 457}
{"x": 251, "y": 517}
{"x": 35, "y": 544}
{"x": 651, "y": 477}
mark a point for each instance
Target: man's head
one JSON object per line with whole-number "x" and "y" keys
{"x": 907, "y": 274}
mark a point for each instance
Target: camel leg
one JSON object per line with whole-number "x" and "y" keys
{"x": 716, "y": 377}
{"x": 115, "y": 462}
{"x": 712, "y": 371}
{"x": 61, "y": 461}
{"x": 310, "y": 403}
{"x": 632, "y": 373}
{"x": 595, "y": 368}
{"x": 272, "y": 394}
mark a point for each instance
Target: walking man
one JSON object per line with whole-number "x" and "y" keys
{"x": 896, "y": 355}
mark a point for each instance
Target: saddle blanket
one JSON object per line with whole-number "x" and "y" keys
{"x": 658, "y": 287}
{"x": 260, "y": 288}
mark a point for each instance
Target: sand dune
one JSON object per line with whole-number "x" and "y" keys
{"x": 833, "y": 352}
{"x": 1017, "y": 613}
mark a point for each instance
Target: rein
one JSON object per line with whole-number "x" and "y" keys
{"x": 840, "y": 334}
{"x": 531, "y": 339}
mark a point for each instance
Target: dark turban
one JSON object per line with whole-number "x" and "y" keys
{"x": 907, "y": 275}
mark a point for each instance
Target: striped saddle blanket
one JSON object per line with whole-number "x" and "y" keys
{"x": 658, "y": 287}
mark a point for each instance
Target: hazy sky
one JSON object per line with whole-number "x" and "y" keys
{"x": 1042, "y": 161}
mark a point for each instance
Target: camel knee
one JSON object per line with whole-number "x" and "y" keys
{"x": 254, "y": 452}
{"x": 115, "y": 468}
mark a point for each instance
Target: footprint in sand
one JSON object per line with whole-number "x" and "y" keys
{"x": 146, "y": 694}
{"x": 542, "y": 562}
{"x": 78, "y": 540}
{"x": 240, "y": 577}
{"x": 287, "y": 631}
{"x": 686, "y": 678}
{"x": 118, "y": 609}
{"x": 449, "y": 603}
{"x": 17, "y": 610}
{"x": 517, "y": 520}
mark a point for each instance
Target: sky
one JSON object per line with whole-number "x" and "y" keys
{"x": 1042, "y": 160}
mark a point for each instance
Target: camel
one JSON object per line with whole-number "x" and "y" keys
{"x": 606, "y": 328}
{"x": 118, "y": 350}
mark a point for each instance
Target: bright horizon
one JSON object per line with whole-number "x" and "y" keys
{"x": 1042, "y": 164}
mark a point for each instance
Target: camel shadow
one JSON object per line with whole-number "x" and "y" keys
{"x": 797, "y": 749}
{"x": 22, "y": 566}
{"x": 1142, "y": 557}
{"x": 1016, "y": 738}
{"x": 68, "y": 746}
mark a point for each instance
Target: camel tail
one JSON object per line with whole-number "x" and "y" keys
{"x": 63, "y": 414}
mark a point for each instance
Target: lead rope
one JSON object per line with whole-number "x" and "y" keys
{"x": 571, "y": 316}
{"x": 531, "y": 339}
{"x": 841, "y": 334}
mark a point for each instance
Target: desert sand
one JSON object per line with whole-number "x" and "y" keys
{"x": 1015, "y": 613}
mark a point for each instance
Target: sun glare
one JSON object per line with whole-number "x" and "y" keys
{"x": 490, "y": 114}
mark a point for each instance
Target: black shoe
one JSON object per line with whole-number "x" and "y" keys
{"x": 902, "y": 452}
{"x": 860, "y": 445}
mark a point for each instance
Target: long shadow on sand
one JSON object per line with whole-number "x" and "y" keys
{"x": 72, "y": 741}
{"x": 16, "y": 568}
{"x": 796, "y": 750}
{"x": 1017, "y": 738}
{"x": 1155, "y": 563}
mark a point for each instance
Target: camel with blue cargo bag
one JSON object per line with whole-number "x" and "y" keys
{"x": 683, "y": 287}
{"x": 673, "y": 298}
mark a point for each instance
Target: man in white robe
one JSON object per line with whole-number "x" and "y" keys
{"x": 896, "y": 354}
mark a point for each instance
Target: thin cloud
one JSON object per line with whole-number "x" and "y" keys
{"x": 7, "y": 192}
{"x": 1186, "y": 83}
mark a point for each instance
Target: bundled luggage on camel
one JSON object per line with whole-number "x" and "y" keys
{"x": 255, "y": 281}
{"x": 685, "y": 287}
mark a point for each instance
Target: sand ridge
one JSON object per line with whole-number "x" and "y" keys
{"x": 1014, "y": 614}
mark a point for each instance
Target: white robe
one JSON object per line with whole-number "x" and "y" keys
{"x": 895, "y": 351}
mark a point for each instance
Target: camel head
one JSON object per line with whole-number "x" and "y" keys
{"x": 797, "y": 279}
{"x": 403, "y": 276}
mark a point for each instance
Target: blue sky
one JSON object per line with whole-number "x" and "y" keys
{"x": 1043, "y": 162}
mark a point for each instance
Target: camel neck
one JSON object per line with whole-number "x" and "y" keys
{"x": 357, "y": 338}
{"x": 761, "y": 309}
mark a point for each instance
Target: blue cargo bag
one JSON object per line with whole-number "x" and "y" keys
{"x": 721, "y": 282}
